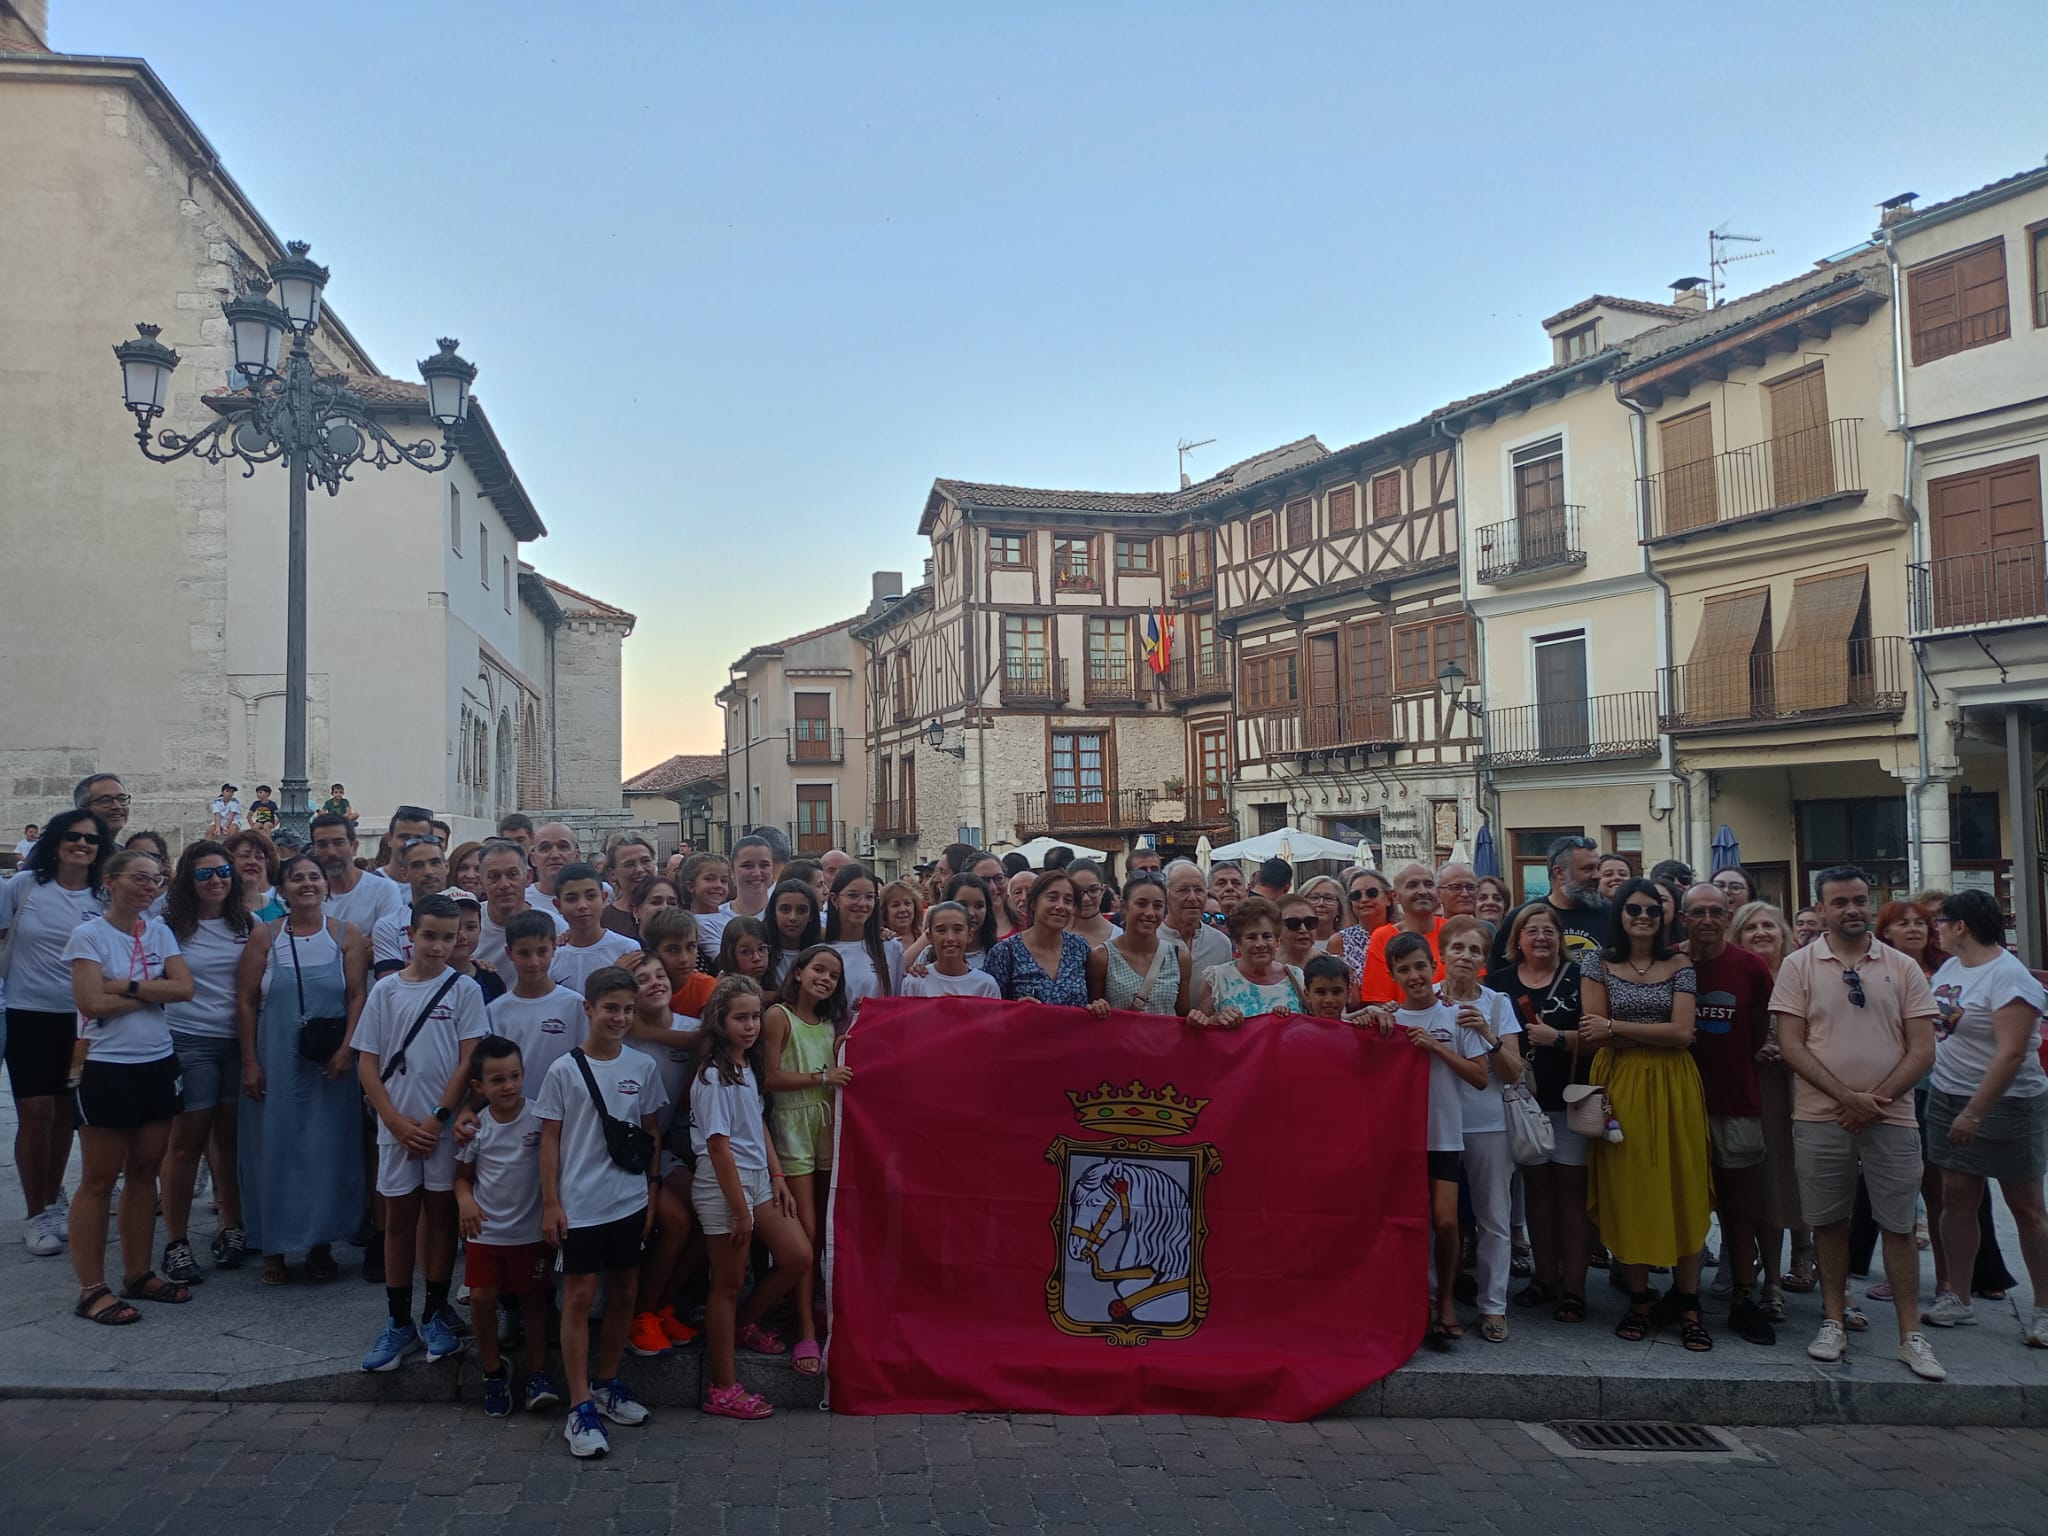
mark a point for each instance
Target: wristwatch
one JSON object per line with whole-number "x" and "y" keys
{"x": 134, "y": 987}
{"x": 822, "y": 1079}
{"x": 443, "y": 1114}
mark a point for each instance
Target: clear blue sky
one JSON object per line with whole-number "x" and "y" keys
{"x": 743, "y": 279}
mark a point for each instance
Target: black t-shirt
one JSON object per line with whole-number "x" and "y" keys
{"x": 1585, "y": 927}
{"x": 1558, "y": 1006}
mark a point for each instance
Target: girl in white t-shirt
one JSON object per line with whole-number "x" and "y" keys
{"x": 873, "y": 959}
{"x": 738, "y": 1186}
{"x": 670, "y": 1039}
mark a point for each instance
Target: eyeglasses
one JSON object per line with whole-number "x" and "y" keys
{"x": 1854, "y": 983}
{"x": 109, "y": 800}
{"x": 1368, "y": 895}
{"x": 90, "y": 839}
{"x": 1298, "y": 924}
{"x": 213, "y": 872}
{"x": 1640, "y": 909}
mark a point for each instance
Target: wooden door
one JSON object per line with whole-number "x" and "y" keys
{"x": 1539, "y": 504}
{"x": 1370, "y": 680}
{"x": 813, "y": 738}
{"x": 1691, "y": 498}
{"x": 1323, "y": 728}
{"x": 1561, "y": 715}
{"x": 1986, "y": 536}
{"x": 1802, "y": 455}
{"x": 1212, "y": 773}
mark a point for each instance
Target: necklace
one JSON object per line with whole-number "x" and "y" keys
{"x": 1639, "y": 968}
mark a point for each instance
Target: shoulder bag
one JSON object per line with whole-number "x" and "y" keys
{"x": 319, "y": 1038}
{"x": 1587, "y": 1109}
{"x": 629, "y": 1145}
{"x": 397, "y": 1062}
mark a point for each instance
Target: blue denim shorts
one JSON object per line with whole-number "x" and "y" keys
{"x": 213, "y": 1069}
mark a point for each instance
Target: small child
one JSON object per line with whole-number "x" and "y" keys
{"x": 744, "y": 950}
{"x": 946, "y": 972}
{"x": 595, "y": 1211}
{"x": 497, "y": 1192}
{"x": 414, "y": 1069}
{"x": 738, "y": 1185}
{"x": 671, "y": 1041}
{"x": 588, "y": 946}
{"x": 671, "y": 937}
{"x": 1326, "y": 982}
{"x": 545, "y": 1020}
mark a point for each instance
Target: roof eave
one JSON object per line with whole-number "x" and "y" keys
{"x": 1969, "y": 202}
{"x": 1842, "y": 288}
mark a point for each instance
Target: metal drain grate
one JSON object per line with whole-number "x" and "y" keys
{"x": 1643, "y": 1435}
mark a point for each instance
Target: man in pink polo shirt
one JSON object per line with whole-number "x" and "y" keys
{"x": 1855, "y": 1023}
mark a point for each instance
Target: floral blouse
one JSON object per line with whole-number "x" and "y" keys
{"x": 1017, "y": 971}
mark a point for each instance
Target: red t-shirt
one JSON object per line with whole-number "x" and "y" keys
{"x": 1733, "y": 1021}
{"x": 1375, "y": 981}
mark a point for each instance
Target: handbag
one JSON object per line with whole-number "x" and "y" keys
{"x": 1587, "y": 1109}
{"x": 1531, "y": 1137}
{"x": 629, "y": 1145}
{"x": 319, "y": 1038}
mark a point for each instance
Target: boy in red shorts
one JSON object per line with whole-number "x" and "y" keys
{"x": 497, "y": 1191}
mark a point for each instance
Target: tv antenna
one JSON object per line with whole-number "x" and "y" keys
{"x": 1186, "y": 448}
{"x": 1718, "y": 259}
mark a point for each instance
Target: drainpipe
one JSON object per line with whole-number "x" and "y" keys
{"x": 1639, "y": 435}
{"x": 1485, "y": 795}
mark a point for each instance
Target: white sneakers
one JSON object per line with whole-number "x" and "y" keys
{"x": 2037, "y": 1331}
{"x": 1915, "y": 1353}
{"x": 1831, "y": 1343}
{"x": 43, "y": 1234}
{"x": 1950, "y": 1311}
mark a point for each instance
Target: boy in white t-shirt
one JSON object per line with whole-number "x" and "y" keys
{"x": 949, "y": 974}
{"x": 595, "y": 1211}
{"x": 588, "y": 946}
{"x": 497, "y": 1192}
{"x": 414, "y": 1067}
{"x": 543, "y": 1018}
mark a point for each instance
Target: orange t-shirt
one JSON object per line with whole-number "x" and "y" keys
{"x": 695, "y": 993}
{"x": 1375, "y": 981}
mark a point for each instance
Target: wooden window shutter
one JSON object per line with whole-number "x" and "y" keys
{"x": 1814, "y": 661}
{"x": 1691, "y": 499}
{"x": 1301, "y": 522}
{"x": 1719, "y": 672}
{"x": 1386, "y": 497}
{"x": 1344, "y": 509}
{"x": 1958, "y": 301}
{"x": 1802, "y": 452}
{"x": 1262, "y": 535}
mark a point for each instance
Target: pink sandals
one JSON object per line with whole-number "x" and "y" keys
{"x": 761, "y": 1341}
{"x": 736, "y": 1402}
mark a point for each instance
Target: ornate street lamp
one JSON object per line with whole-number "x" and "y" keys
{"x": 314, "y": 422}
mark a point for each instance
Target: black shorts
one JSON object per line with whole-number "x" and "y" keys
{"x": 602, "y": 1250}
{"x": 39, "y": 1052}
{"x": 127, "y": 1095}
{"x": 1444, "y": 1167}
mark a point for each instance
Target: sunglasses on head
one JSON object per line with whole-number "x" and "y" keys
{"x": 213, "y": 872}
{"x": 1638, "y": 909}
{"x": 1299, "y": 924}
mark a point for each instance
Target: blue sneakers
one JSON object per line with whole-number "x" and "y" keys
{"x": 584, "y": 1433}
{"x": 540, "y": 1392}
{"x": 441, "y": 1339}
{"x": 396, "y": 1342}
{"x": 497, "y": 1396}
{"x": 616, "y": 1403}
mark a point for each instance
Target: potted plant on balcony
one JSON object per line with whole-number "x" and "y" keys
{"x": 1172, "y": 804}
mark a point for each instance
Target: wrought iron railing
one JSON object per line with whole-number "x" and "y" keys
{"x": 810, "y": 838}
{"x": 1795, "y": 470}
{"x": 895, "y": 818}
{"x": 1033, "y": 680}
{"x": 1606, "y": 725}
{"x": 1854, "y": 678}
{"x": 1113, "y": 680}
{"x": 1090, "y": 808}
{"x": 1199, "y": 675}
{"x": 1193, "y": 575}
{"x": 1986, "y": 586}
{"x": 817, "y": 743}
{"x": 1533, "y": 541}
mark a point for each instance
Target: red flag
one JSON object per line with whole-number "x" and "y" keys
{"x": 1037, "y": 1212}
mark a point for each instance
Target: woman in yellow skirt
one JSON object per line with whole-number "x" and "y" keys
{"x": 1651, "y": 1192}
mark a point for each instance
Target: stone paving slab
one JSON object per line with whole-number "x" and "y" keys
{"x": 239, "y": 1340}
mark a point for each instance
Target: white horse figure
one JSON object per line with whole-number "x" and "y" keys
{"x": 1138, "y": 1217}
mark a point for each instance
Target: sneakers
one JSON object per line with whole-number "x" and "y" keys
{"x": 440, "y": 1338}
{"x": 1724, "y": 1280}
{"x": 1749, "y": 1324}
{"x": 41, "y": 1233}
{"x": 230, "y": 1247}
{"x": 584, "y": 1433}
{"x": 736, "y": 1402}
{"x": 679, "y": 1332}
{"x": 618, "y": 1404}
{"x": 1950, "y": 1311}
{"x": 179, "y": 1267}
{"x": 1830, "y": 1344}
{"x": 540, "y": 1393}
{"x": 396, "y": 1342}
{"x": 1917, "y": 1355}
{"x": 454, "y": 1321}
{"x": 497, "y": 1395}
{"x": 648, "y": 1337}
{"x": 2037, "y": 1331}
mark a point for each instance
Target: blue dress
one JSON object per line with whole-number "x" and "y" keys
{"x": 1021, "y": 977}
{"x": 302, "y": 1146}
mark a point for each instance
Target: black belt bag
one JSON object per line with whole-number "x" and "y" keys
{"x": 629, "y": 1145}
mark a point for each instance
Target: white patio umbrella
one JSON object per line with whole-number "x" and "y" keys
{"x": 1289, "y": 843}
{"x": 1203, "y": 854}
{"x": 1039, "y": 847}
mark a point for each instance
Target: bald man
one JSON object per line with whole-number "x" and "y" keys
{"x": 1458, "y": 889}
{"x": 1419, "y": 912}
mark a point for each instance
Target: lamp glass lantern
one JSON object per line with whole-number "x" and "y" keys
{"x": 299, "y": 281}
{"x": 257, "y": 328}
{"x": 1453, "y": 681}
{"x": 448, "y": 377}
{"x": 934, "y": 733}
{"x": 146, "y": 366}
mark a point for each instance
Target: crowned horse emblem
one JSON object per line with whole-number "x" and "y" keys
{"x": 1130, "y": 1225}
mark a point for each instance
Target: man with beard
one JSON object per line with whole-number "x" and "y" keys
{"x": 352, "y": 895}
{"x": 1574, "y": 895}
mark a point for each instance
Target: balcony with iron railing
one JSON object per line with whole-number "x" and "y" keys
{"x": 1198, "y": 675}
{"x": 811, "y": 838}
{"x": 1809, "y": 468}
{"x": 1360, "y": 726}
{"x": 1114, "y": 680}
{"x": 1856, "y": 679}
{"x": 895, "y": 818}
{"x": 1193, "y": 575}
{"x": 814, "y": 742}
{"x": 1092, "y": 808}
{"x": 1984, "y": 589}
{"x": 1033, "y": 679}
{"x": 1606, "y": 725}
{"x": 1542, "y": 540}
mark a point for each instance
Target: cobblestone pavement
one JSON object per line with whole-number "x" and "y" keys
{"x": 136, "y": 1467}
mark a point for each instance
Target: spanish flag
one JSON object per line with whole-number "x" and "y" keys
{"x": 1158, "y": 640}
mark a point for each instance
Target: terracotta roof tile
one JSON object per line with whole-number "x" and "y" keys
{"x": 976, "y": 493}
{"x": 1865, "y": 268}
{"x": 1629, "y": 306}
{"x": 578, "y": 604}
{"x": 2033, "y": 173}
{"x": 673, "y": 773}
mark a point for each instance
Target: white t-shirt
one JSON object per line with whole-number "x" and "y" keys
{"x": 1966, "y": 1000}
{"x": 674, "y": 1062}
{"x": 731, "y": 1110}
{"x": 213, "y": 951}
{"x": 711, "y": 929}
{"x": 139, "y": 1035}
{"x": 544, "y": 1028}
{"x": 1483, "y": 1107}
{"x": 391, "y": 939}
{"x": 490, "y": 946}
{"x": 574, "y": 966}
{"x": 1446, "y": 1103}
{"x": 861, "y": 978}
{"x": 417, "y": 1087}
{"x": 507, "y": 1158}
{"x": 368, "y": 902}
{"x": 230, "y": 808}
{"x": 24, "y": 848}
{"x": 595, "y": 1189}
{"x": 42, "y": 917}
{"x": 540, "y": 900}
{"x": 931, "y": 984}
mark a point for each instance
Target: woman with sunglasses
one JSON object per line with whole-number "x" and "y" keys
{"x": 1327, "y": 898}
{"x": 204, "y": 910}
{"x": 1369, "y": 900}
{"x": 125, "y": 967}
{"x": 40, "y": 904}
{"x": 1299, "y": 921}
{"x": 1652, "y": 1192}
{"x": 302, "y": 1120}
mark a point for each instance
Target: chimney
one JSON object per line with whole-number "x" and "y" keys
{"x": 885, "y": 585}
{"x": 26, "y": 21}
{"x": 1893, "y": 209}
{"x": 1185, "y": 482}
{"x": 1690, "y": 293}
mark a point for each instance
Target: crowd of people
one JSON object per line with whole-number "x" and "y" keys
{"x": 618, "y": 1071}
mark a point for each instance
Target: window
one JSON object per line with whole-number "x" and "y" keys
{"x": 1958, "y": 301}
{"x": 1563, "y": 728}
{"x": 1198, "y": 634}
{"x": 1539, "y": 477}
{"x": 1691, "y": 496}
{"x": 1580, "y": 341}
{"x": 1973, "y": 827}
{"x": 1080, "y": 774}
{"x": 1802, "y": 462}
{"x": 1271, "y": 817}
{"x": 1073, "y": 564}
{"x": 1007, "y": 550}
{"x": 1025, "y": 652}
{"x": 904, "y": 697}
{"x": 455, "y": 518}
{"x": 505, "y": 574}
{"x": 1135, "y": 555}
{"x": 945, "y": 557}
{"x": 2037, "y": 261}
{"x": 813, "y": 818}
{"x": 906, "y": 793}
{"x": 1824, "y": 659}
{"x": 483, "y": 554}
{"x": 1386, "y": 496}
{"x": 1262, "y": 535}
{"x": 1270, "y": 681}
{"x": 811, "y": 739}
{"x": 1421, "y": 651}
{"x": 1344, "y": 509}
{"x": 1212, "y": 772}
{"x": 1530, "y": 849}
{"x": 1109, "y": 640}
{"x": 1870, "y": 833}
{"x": 1301, "y": 522}
{"x": 1730, "y": 656}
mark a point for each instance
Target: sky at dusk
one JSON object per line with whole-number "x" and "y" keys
{"x": 742, "y": 280}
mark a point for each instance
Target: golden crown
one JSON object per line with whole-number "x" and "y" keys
{"x": 1137, "y": 1108}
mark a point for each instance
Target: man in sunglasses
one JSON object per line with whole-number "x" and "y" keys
{"x": 1855, "y": 1024}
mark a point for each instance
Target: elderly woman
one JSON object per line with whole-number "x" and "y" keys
{"x": 1257, "y": 982}
{"x": 1987, "y": 1104}
{"x": 1765, "y": 932}
{"x": 1326, "y": 897}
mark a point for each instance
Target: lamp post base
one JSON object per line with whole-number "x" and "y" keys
{"x": 295, "y": 810}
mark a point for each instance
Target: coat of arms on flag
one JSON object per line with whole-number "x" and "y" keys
{"x": 1156, "y": 638}
{"x": 1130, "y": 1226}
